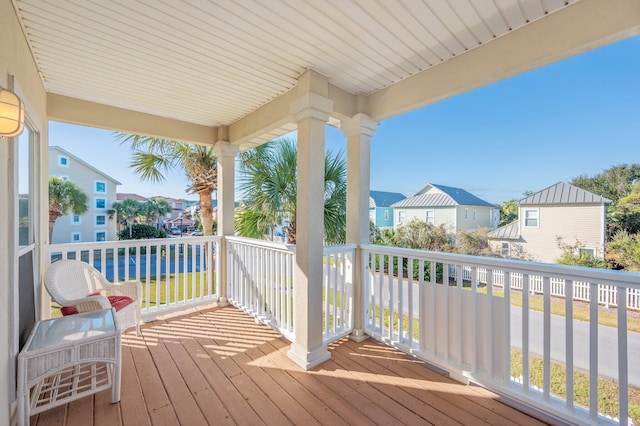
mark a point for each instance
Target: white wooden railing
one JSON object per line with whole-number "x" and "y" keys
{"x": 260, "y": 277}
{"x": 260, "y": 281}
{"x": 414, "y": 302}
{"x": 337, "y": 292}
{"x": 176, "y": 273}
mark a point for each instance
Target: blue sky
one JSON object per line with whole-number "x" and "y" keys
{"x": 578, "y": 116}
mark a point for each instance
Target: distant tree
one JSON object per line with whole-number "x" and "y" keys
{"x": 156, "y": 207}
{"x": 508, "y": 212}
{"x": 625, "y": 214}
{"x": 418, "y": 234}
{"x": 475, "y": 243}
{"x": 141, "y": 231}
{"x": 374, "y": 233}
{"x": 152, "y": 157}
{"x": 128, "y": 210}
{"x": 571, "y": 255}
{"x": 614, "y": 183}
{"x": 268, "y": 185}
{"x": 65, "y": 197}
{"x": 624, "y": 251}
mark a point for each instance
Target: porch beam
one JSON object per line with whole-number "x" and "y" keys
{"x": 311, "y": 112}
{"x": 226, "y": 154}
{"x": 580, "y": 27}
{"x": 358, "y": 130}
{"x": 92, "y": 114}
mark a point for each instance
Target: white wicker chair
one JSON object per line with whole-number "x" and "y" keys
{"x": 72, "y": 283}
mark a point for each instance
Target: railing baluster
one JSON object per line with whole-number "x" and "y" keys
{"x": 623, "y": 362}
{"x": 568, "y": 303}
{"x": 593, "y": 352}
{"x": 546, "y": 291}
{"x": 525, "y": 332}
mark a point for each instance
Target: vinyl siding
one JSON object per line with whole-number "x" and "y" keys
{"x": 482, "y": 220}
{"x": 442, "y": 215}
{"x": 574, "y": 222}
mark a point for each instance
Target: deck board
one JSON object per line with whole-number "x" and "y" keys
{"x": 218, "y": 366}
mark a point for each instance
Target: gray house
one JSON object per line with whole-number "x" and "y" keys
{"x": 561, "y": 210}
{"x": 455, "y": 208}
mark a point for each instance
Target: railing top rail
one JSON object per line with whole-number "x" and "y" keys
{"x": 339, "y": 248}
{"x": 291, "y": 248}
{"x": 52, "y": 248}
{"x": 576, "y": 273}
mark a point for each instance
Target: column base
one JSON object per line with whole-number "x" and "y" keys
{"x": 358, "y": 335}
{"x": 308, "y": 360}
{"x": 222, "y": 302}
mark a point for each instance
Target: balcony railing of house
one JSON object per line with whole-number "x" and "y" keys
{"x": 176, "y": 273}
{"x": 437, "y": 307}
{"x": 261, "y": 275}
{"x": 452, "y": 311}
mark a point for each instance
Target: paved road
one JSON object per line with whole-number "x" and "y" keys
{"x": 607, "y": 343}
{"x": 607, "y": 338}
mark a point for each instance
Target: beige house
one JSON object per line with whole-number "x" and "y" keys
{"x": 559, "y": 211}
{"x": 96, "y": 224}
{"x": 454, "y": 208}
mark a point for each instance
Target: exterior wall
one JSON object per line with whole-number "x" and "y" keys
{"x": 16, "y": 60}
{"x": 468, "y": 221}
{"x": 380, "y": 221}
{"x": 442, "y": 216}
{"x": 86, "y": 178}
{"x": 515, "y": 250}
{"x": 572, "y": 222}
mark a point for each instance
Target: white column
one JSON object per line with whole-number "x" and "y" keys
{"x": 358, "y": 131}
{"x": 311, "y": 112}
{"x": 226, "y": 154}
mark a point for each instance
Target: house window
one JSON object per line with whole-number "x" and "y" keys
{"x": 76, "y": 219}
{"x": 101, "y": 236}
{"x": 101, "y": 203}
{"x": 386, "y": 215}
{"x": 583, "y": 251}
{"x": 531, "y": 218}
{"x": 63, "y": 161}
{"x": 401, "y": 216}
{"x": 101, "y": 187}
{"x": 101, "y": 220}
{"x": 76, "y": 237}
{"x": 504, "y": 250}
{"x": 431, "y": 216}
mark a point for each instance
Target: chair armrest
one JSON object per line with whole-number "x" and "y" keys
{"x": 89, "y": 304}
{"x": 132, "y": 289}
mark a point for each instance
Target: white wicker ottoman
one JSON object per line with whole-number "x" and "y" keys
{"x": 68, "y": 358}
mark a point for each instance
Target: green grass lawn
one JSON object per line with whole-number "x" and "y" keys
{"x": 607, "y": 388}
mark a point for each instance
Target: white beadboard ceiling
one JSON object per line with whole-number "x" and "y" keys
{"x": 211, "y": 62}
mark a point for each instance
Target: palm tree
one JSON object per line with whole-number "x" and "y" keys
{"x": 128, "y": 210}
{"x": 153, "y": 156}
{"x": 269, "y": 188}
{"x": 65, "y": 197}
{"x": 156, "y": 207}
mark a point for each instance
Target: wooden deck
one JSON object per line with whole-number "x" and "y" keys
{"x": 219, "y": 367}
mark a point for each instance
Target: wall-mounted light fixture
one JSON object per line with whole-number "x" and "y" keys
{"x": 11, "y": 114}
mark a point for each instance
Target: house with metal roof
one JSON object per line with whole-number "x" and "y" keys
{"x": 559, "y": 211}
{"x": 455, "y": 208}
{"x": 380, "y": 210}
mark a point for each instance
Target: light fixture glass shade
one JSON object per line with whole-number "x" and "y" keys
{"x": 11, "y": 114}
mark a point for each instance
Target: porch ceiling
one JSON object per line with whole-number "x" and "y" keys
{"x": 212, "y": 63}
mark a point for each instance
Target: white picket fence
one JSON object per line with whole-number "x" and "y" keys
{"x": 607, "y": 294}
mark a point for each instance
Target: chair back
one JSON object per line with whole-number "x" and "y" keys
{"x": 72, "y": 279}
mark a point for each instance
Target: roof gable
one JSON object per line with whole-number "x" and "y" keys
{"x": 84, "y": 163}
{"x": 563, "y": 193}
{"x": 432, "y": 195}
{"x": 510, "y": 231}
{"x": 384, "y": 199}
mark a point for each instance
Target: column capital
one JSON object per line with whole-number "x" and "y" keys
{"x": 225, "y": 149}
{"x": 359, "y": 124}
{"x": 311, "y": 105}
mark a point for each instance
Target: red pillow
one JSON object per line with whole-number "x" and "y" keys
{"x": 117, "y": 302}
